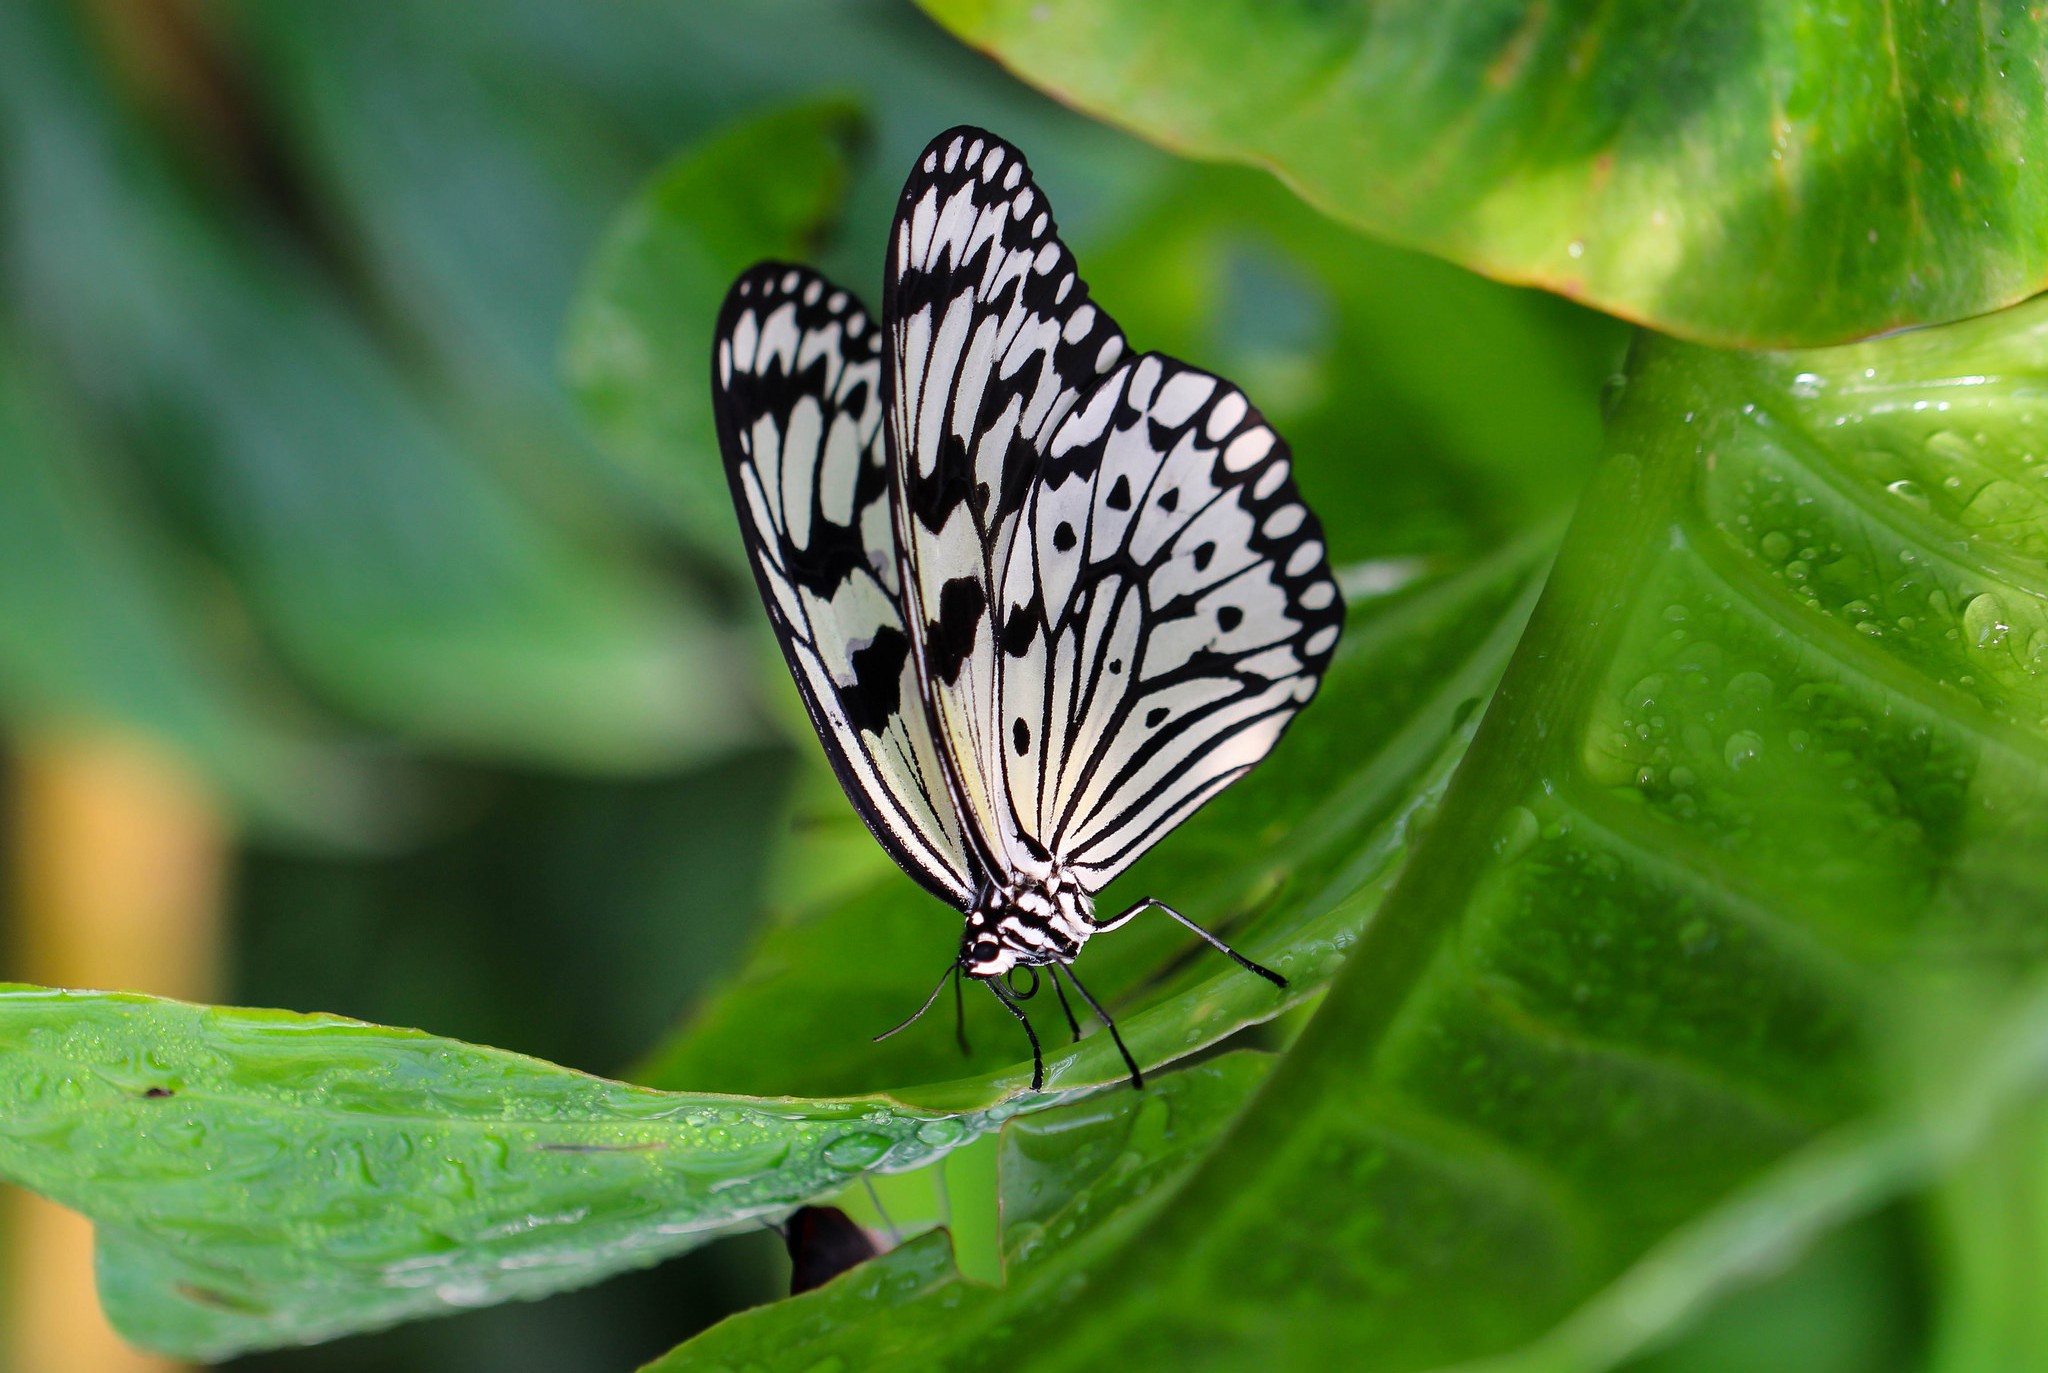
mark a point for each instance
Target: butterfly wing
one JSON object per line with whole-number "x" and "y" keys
{"x": 992, "y": 341}
{"x": 1167, "y": 609}
{"x": 797, "y": 389}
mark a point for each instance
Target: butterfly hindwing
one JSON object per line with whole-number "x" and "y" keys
{"x": 1167, "y": 608}
{"x": 992, "y": 341}
{"x": 797, "y": 388}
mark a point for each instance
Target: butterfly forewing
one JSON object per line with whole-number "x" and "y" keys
{"x": 797, "y": 388}
{"x": 1167, "y": 608}
{"x": 992, "y": 342}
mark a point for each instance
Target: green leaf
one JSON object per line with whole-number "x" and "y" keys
{"x": 1740, "y": 173}
{"x": 261, "y": 1178}
{"x": 1725, "y": 930}
{"x": 638, "y": 340}
{"x": 1072, "y": 1182}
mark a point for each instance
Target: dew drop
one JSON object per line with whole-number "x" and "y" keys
{"x": 1908, "y": 491}
{"x": 1749, "y": 689}
{"x": 1743, "y": 748}
{"x": 855, "y": 1151}
{"x": 939, "y": 1133}
{"x": 1984, "y": 621}
{"x": 1518, "y": 831}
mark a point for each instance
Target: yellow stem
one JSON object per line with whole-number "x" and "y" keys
{"x": 118, "y": 861}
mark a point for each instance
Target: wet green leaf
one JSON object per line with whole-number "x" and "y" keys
{"x": 262, "y": 1178}
{"x": 1743, "y": 173}
{"x": 1073, "y": 1182}
{"x": 1725, "y": 930}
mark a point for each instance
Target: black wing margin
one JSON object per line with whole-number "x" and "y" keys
{"x": 796, "y": 383}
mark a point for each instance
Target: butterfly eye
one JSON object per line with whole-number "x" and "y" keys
{"x": 984, "y": 951}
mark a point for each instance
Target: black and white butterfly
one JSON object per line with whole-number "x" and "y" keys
{"x": 1042, "y": 597}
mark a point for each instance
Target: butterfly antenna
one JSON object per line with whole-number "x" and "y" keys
{"x": 1211, "y": 940}
{"x": 1065, "y": 1009}
{"x": 960, "y": 1015}
{"x": 1137, "y": 1078}
{"x": 1037, "y": 1055}
{"x": 921, "y": 1009}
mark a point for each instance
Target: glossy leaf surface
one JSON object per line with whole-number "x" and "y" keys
{"x": 1725, "y": 929}
{"x": 1744, "y": 173}
{"x": 260, "y": 1177}
{"x": 1072, "y": 1182}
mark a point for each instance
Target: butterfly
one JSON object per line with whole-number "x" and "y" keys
{"x": 1042, "y": 596}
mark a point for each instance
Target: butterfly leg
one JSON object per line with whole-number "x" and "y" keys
{"x": 1010, "y": 1004}
{"x": 1066, "y": 1009}
{"x": 1137, "y": 1078}
{"x": 1211, "y": 940}
{"x": 960, "y": 1015}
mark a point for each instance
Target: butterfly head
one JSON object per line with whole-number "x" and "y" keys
{"x": 1026, "y": 923}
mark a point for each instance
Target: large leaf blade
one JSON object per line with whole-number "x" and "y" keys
{"x": 1726, "y": 928}
{"x": 1745, "y": 174}
{"x": 260, "y": 1177}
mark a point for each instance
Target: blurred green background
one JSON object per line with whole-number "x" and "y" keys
{"x": 468, "y": 710}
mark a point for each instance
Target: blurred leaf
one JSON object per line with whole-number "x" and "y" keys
{"x": 1747, "y": 174}
{"x": 90, "y": 634}
{"x": 638, "y": 345}
{"x": 1072, "y": 1182}
{"x": 1989, "y": 1218}
{"x": 381, "y": 558}
{"x": 470, "y": 152}
{"x": 1367, "y": 357}
{"x": 1850, "y": 1304}
{"x": 262, "y": 1178}
{"x": 1725, "y": 930}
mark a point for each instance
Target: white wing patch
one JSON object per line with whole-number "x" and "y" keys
{"x": 797, "y": 380}
{"x": 992, "y": 341}
{"x": 1166, "y": 610}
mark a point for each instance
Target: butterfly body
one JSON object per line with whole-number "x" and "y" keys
{"x": 1043, "y": 596}
{"x": 1028, "y": 921}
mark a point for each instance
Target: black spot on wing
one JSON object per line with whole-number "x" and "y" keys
{"x": 950, "y": 638}
{"x": 1020, "y": 735}
{"x": 1020, "y": 628}
{"x": 876, "y": 697}
{"x": 1119, "y": 495}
